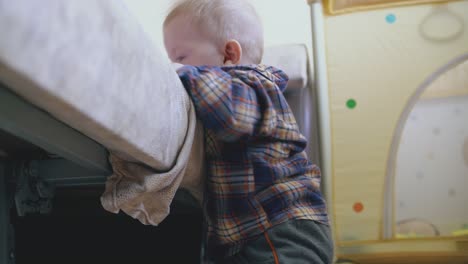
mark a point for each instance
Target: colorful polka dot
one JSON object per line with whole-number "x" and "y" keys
{"x": 390, "y": 18}
{"x": 351, "y": 103}
{"x": 358, "y": 207}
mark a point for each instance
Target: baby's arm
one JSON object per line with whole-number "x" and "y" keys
{"x": 224, "y": 104}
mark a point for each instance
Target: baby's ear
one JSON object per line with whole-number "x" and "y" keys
{"x": 232, "y": 52}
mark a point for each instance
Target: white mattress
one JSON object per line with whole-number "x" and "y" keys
{"x": 90, "y": 65}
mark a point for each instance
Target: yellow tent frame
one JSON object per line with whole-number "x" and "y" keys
{"x": 335, "y": 7}
{"x": 353, "y": 54}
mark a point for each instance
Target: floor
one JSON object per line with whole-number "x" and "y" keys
{"x": 80, "y": 231}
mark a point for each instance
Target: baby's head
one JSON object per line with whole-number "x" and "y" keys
{"x": 213, "y": 32}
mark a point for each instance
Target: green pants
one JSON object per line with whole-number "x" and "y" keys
{"x": 292, "y": 242}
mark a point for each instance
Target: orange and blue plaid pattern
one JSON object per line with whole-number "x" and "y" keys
{"x": 258, "y": 173}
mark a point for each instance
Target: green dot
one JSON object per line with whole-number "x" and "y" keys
{"x": 351, "y": 103}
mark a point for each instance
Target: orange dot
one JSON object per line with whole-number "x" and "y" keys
{"x": 358, "y": 207}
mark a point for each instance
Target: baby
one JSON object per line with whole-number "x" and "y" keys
{"x": 262, "y": 201}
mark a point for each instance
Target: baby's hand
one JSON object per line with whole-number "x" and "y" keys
{"x": 176, "y": 65}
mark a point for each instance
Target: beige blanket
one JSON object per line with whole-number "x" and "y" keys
{"x": 146, "y": 194}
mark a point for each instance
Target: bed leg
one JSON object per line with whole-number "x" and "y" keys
{"x": 7, "y": 253}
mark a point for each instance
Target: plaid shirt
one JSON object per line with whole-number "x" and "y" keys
{"x": 258, "y": 173}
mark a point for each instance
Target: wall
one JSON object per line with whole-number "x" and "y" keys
{"x": 285, "y": 22}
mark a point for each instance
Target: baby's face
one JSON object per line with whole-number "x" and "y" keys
{"x": 187, "y": 44}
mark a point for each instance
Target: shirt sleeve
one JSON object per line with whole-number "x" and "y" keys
{"x": 225, "y": 104}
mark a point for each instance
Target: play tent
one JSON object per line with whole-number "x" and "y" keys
{"x": 393, "y": 96}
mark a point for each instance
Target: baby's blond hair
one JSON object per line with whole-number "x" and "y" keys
{"x": 226, "y": 20}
